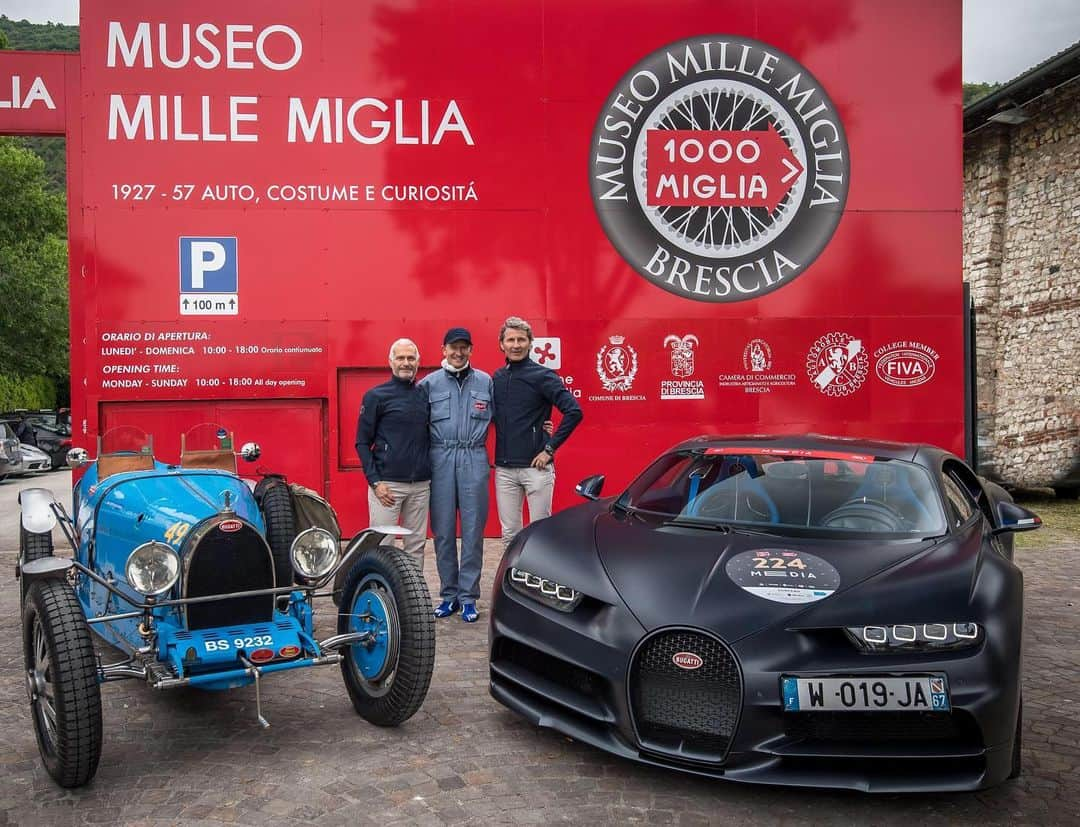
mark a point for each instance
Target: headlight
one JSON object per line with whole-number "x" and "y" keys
{"x": 553, "y": 594}
{"x": 152, "y": 568}
{"x": 314, "y": 553}
{"x": 915, "y": 637}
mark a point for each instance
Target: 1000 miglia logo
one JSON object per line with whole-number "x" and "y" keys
{"x": 719, "y": 168}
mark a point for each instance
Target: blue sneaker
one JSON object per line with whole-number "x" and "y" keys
{"x": 469, "y": 613}
{"x": 447, "y": 608}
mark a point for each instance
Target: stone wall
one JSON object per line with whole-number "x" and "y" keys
{"x": 1022, "y": 260}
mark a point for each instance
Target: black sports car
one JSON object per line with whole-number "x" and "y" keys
{"x": 809, "y": 611}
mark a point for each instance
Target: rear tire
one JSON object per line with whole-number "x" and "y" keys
{"x": 61, "y": 676}
{"x": 387, "y": 679}
{"x": 34, "y": 546}
{"x": 280, "y": 529}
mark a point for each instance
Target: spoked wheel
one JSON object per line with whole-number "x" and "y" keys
{"x": 388, "y": 674}
{"x": 34, "y": 545}
{"x": 61, "y": 681}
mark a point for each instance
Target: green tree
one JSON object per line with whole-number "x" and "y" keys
{"x": 974, "y": 91}
{"x": 33, "y": 269}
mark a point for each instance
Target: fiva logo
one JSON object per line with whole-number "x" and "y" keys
{"x": 905, "y": 364}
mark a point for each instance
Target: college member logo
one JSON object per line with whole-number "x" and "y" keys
{"x": 616, "y": 364}
{"x": 682, "y": 366}
{"x": 905, "y": 364}
{"x": 719, "y": 168}
{"x": 837, "y": 364}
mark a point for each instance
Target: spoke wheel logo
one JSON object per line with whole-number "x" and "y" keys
{"x": 719, "y": 168}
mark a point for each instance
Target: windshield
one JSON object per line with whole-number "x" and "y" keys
{"x": 834, "y": 491}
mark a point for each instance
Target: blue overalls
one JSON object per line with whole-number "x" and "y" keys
{"x": 460, "y": 416}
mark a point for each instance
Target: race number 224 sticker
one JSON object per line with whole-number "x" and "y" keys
{"x": 719, "y": 168}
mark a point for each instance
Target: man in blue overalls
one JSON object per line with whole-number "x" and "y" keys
{"x": 459, "y": 399}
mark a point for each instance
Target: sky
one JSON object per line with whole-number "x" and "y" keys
{"x": 1002, "y": 38}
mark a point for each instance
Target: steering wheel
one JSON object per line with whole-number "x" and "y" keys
{"x": 864, "y": 514}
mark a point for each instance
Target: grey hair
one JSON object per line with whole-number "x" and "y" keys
{"x": 516, "y": 323}
{"x": 403, "y": 342}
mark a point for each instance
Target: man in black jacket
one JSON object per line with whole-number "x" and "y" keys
{"x": 524, "y": 395}
{"x": 394, "y": 448}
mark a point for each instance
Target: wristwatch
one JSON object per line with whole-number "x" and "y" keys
{"x": 549, "y": 449}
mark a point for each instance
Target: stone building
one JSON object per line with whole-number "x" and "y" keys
{"x": 1022, "y": 261}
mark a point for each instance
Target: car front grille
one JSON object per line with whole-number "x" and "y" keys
{"x": 219, "y": 562}
{"x": 687, "y": 714}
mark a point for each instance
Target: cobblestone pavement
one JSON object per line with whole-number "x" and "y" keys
{"x": 200, "y": 758}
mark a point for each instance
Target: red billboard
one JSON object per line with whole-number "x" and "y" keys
{"x": 723, "y": 217}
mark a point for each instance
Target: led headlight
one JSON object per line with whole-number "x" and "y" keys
{"x": 152, "y": 568}
{"x": 915, "y": 637}
{"x": 553, "y": 594}
{"x": 314, "y": 553}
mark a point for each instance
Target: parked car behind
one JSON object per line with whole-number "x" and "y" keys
{"x": 35, "y": 461}
{"x": 10, "y": 457}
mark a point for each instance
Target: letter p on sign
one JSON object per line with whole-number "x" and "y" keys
{"x": 208, "y": 265}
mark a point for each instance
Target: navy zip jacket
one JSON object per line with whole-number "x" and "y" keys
{"x": 392, "y": 434}
{"x": 524, "y": 395}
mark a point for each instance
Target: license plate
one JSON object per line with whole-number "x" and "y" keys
{"x": 922, "y": 693}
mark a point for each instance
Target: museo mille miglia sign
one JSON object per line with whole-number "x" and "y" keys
{"x": 719, "y": 168}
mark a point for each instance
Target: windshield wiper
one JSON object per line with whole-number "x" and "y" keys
{"x": 682, "y": 522}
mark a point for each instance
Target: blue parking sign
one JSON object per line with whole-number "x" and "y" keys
{"x": 208, "y": 264}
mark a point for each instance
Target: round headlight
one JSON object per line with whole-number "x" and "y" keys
{"x": 152, "y": 568}
{"x": 314, "y": 553}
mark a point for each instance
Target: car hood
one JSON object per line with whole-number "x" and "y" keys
{"x": 671, "y": 575}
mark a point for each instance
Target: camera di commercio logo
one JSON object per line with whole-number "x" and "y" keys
{"x": 719, "y": 168}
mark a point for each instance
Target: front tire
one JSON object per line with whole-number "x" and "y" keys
{"x": 61, "y": 679}
{"x": 387, "y": 678}
{"x": 280, "y": 529}
{"x": 34, "y": 545}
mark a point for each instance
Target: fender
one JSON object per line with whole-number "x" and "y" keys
{"x": 45, "y": 568}
{"x": 37, "y": 510}
{"x": 366, "y": 539}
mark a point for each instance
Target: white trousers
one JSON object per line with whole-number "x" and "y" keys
{"x": 513, "y": 486}
{"x": 411, "y": 506}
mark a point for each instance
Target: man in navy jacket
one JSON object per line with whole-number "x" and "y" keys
{"x": 394, "y": 448}
{"x": 524, "y": 395}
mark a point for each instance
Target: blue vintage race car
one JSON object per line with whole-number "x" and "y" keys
{"x": 204, "y": 579}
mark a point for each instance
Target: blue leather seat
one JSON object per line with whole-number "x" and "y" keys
{"x": 892, "y": 487}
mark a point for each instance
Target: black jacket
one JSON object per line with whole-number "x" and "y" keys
{"x": 524, "y": 395}
{"x": 392, "y": 434}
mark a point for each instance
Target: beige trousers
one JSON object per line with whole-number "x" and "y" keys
{"x": 513, "y": 486}
{"x": 411, "y": 506}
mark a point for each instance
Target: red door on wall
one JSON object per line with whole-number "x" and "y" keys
{"x": 299, "y": 424}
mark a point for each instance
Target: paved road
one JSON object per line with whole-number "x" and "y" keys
{"x": 200, "y": 758}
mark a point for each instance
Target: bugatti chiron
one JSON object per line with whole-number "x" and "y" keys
{"x": 807, "y": 611}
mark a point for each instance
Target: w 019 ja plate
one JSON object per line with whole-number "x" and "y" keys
{"x": 915, "y": 693}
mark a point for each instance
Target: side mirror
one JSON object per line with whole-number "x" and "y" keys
{"x": 590, "y": 487}
{"x": 1013, "y": 517}
{"x": 77, "y": 458}
{"x": 250, "y": 451}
